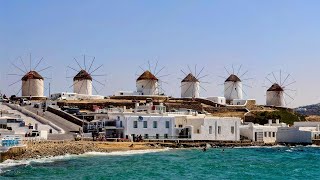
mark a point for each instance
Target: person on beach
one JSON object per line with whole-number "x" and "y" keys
{"x": 204, "y": 149}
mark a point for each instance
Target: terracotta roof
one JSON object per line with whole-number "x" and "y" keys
{"x": 275, "y": 87}
{"x": 233, "y": 78}
{"x": 147, "y": 75}
{"x": 31, "y": 75}
{"x": 82, "y": 75}
{"x": 190, "y": 78}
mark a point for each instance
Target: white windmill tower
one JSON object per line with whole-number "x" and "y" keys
{"x": 233, "y": 84}
{"x": 83, "y": 80}
{"x": 32, "y": 83}
{"x": 148, "y": 83}
{"x": 191, "y": 84}
{"x": 279, "y": 92}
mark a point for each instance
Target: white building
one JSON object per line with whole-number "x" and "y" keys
{"x": 147, "y": 84}
{"x": 233, "y": 88}
{"x": 32, "y": 85}
{"x": 190, "y": 87}
{"x": 218, "y": 100}
{"x": 82, "y": 83}
{"x": 261, "y": 133}
{"x": 74, "y": 96}
{"x": 275, "y": 96}
{"x": 300, "y": 133}
{"x": 153, "y": 122}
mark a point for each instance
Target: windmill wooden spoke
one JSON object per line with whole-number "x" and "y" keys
{"x": 197, "y": 75}
{"x": 247, "y": 79}
{"x": 164, "y": 82}
{"x": 99, "y": 75}
{"x": 15, "y": 83}
{"x": 239, "y": 69}
{"x": 227, "y": 70}
{"x": 19, "y": 68}
{"x": 229, "y": 87}
{"x": 76, "y": 82}
{"x": 18, "y": 91}
{"x": 288, "y": 95}
{"x": 183, "y": 72}
{"x": 290, "y": 89}
{"x": 204, "y": 82}
{"x": 190, "y": 69}
{"x": 280, "y": 77}
{"x": 46, "y": 77}
{"x": 164, "y": 75}
{"x": 232, "y": 69}
{"x": 98, "y": 82}
{"x": 195, "y": 70}
{"x": 96, "y": 69}
{"x": 78, "y": 63}
{"x": 155, "y": 68}
{"x": 203, "y": 76}
{"x": 285, "y": 102}
{"x": 232, "y": 90}
{"x": 160, "y": 70}
{"x": 222, "y": 77}
{"x": 38, "y": 63}
{"x": 290, "y": 84}
{"x": 285, "y": 79}
{"x": 183, "y": 85}
{"x": 242, "y": 90}
{"x": 203, "y": 88}
{"x": 243, "y": 74}
{"x": 30, "y": 61}
{"x": 274, "y": 77}
{"x": 187, "y": 89}
{"x": 91, "y": 64}
{"x": 141, "y": 68}
{"x": 95, "y": 89}
{"x": 84, "y": 62}
{"x": 23, "y": 64}
{"x": 269, "y": 80}
{"x": 149, "y": 66}
{"x": 72, "y": 68}
{"x": 44, "y": 69}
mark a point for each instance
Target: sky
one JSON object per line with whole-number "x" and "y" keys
{"x": 260, "y": 36}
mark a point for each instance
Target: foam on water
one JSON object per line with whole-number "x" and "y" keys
{"x": 11, "y": 163}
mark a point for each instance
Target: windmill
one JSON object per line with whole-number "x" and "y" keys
{"x": 84, "y": 77}
{"x": 190, "y": 85}
{"x": 234, "y": 82}
{"x": 279, "y": 89}
{"x": 148, "y": 83}
{"x": 32, "y": 83}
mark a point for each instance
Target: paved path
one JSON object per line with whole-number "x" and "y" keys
{"x": 66, "y": 125}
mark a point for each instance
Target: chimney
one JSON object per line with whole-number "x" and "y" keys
{"x": 277, "y": 121}
{"x": 270, "y": 121}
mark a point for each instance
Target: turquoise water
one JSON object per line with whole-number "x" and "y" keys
{"x": 236, "y": 163}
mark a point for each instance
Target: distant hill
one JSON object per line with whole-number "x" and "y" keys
{"x": 308, "y": 110}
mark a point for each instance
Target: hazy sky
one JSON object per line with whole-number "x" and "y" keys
{"x": 263, "y": 36}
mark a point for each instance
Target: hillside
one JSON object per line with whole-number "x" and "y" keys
{"x": 308, "y": 110}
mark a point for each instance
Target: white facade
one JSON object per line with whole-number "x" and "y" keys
{"x": 233, "y": 90}
{"x": 190, "y": 89}
{"x": 218, "y": 100}
{"x": 83, "y": 86}
{"x": 262, "y": 133}
{"x": 275, "y": 98}
{"x": 147, "y": 87}
{"x": 239, "y": 102}
{"x": 297, "y": 135}
{"x": 74, "y": 96}
{"x": 127, "y": 93}
{"x": 33, "y": 87}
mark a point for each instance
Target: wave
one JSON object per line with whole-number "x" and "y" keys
{"x": 12, "y": 163}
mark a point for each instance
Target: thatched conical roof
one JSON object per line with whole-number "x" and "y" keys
{"x": 82, "y": 75}
{"x": 147, "y": 75}
{"x": 190, "y": 78}
{"x": 275, "y": 87}
{"x": 233, "y": 78}
{"x": 31, "y": 75}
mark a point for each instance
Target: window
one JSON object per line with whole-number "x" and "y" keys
{"x": 265, "y": 134}
{"x": 232, "y": 129}
{"x": 219, "y": 129}
{"x": 167, "y": 124}
{"x": 269, "y": 134}
{"x": 121, "y": 124}
{"x": 180, "y": 125}
{"x": 210, "y": 129}
{"x": 145, "y": 124}
{"x": 273, "y": 134}
{"x": 155, "y": 124}
{"x": 198, "y": 131}
{"x": 157, "y": 136}
{"x": 146, "y": 136}
{"x": 135, "y": 124}
{"x": 166, "y": 136}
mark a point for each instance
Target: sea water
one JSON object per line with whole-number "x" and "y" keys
{"x": 216, "y": 163}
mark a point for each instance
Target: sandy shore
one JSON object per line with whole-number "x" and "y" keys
{"x": 41, "y": 149}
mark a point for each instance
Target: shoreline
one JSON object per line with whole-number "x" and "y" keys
{"x": 51, "y": 149}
